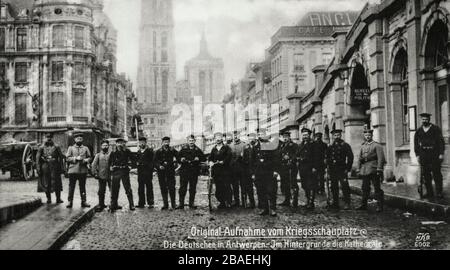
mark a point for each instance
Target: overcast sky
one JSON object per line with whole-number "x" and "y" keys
{"x": 238, "y": 31}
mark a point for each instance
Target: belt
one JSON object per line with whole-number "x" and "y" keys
{"x": 365, "y": 160}
{"x": 427, "y": 147}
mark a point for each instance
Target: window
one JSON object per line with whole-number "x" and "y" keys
{"x": 78, "y": 72}
{"x": 79, "y": 37}
{"x": 57, "y": 104}
{"x": 202, "y": 83}
{"x": 58, "y": 36}
{"x": 154, "y": 39}
{"x": 164, "y": 57}
{"x": 21, "y": 71}
{"x": 21, "y": 39}
{"x": 2, "y": 72}
{"x": 299, "y": 65}
{"x": 165, "y": 86}
{"x": 2, "y": 39}
{"x": 326, "y": 58}
{"x": 313, "y": 59}
{"x": 78, "y": 102}
{"x": 57, "y": 71}
{"x": 20, "y": 100}
{"x": 152, "y": 121}
{"x": 146, "y": 121}
{"x": 164, "y": 40}
{"x": 443, "y": 110}
{"x": 154, "y": 56}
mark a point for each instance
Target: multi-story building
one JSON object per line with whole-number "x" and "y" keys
{"x": 391, "y": 66}
{"x": 57, "y": 67}
{"x": 294, "y": 52}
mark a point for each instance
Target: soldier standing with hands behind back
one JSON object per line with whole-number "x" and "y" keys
{"x": 78, "y": 157}
{"x": 371, "y": 163}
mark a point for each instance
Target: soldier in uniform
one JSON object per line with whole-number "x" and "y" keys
{"x": 78, "y": 157}
{"x": 49, "y": 159}
{"x": 220, "y": 159}
{"x": 288, "y": 170}
{"x": 371, "y": 163}
{"x": 247, "y": 180}
{"x": 120, "y": 162}
{"x": 101, "y": 171}
{"x": 190, "y": 158}
{"x": 165, "y": 162}
{"x": 339, "y": 164}
{"x": 429, "y": 146}
{"x": 306, "y": 162}
{"x": 237, "y": 168}
{"x": 264, "y": 170}
{"x": 321, "y": 151}
{"x": 144, "y": 163}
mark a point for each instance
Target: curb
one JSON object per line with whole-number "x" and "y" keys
{"x": 70, "y": 231}
{"x": 427, "y": 209}
{"x": 19, "y": 210}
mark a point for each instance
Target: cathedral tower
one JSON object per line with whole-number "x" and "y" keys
{"x": 157, "y": 66}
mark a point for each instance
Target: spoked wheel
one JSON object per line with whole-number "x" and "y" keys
{"x": 28, "y": 163}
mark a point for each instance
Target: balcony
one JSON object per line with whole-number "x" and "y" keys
{"x": 81, "y": 119}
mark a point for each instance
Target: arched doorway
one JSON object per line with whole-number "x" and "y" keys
{"x": 360, "y": 94}
{"x": 400, "y": 96}
{"x": 438, "y": 75}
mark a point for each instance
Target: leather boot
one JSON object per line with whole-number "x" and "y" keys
{"x": 49, "y": 197}
{"x": 181, "y": 206}
{"x": 58, "y": 197}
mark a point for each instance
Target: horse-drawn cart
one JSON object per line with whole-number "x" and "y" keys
{"x": 19, "y": 159}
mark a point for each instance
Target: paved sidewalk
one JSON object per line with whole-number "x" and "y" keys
{"x": 406, "y": 197}
{"x": 49, "y": 226}
{"x": 14, "y": 206}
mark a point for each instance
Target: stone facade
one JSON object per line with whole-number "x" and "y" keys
{"x": 57, "y": 61}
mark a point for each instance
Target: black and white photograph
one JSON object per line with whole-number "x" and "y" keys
{"x": 224, "y": 125}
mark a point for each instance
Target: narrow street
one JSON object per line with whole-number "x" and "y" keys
{"x": 147, "y": 229}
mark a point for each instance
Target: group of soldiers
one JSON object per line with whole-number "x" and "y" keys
{"x": 236, "y": 168}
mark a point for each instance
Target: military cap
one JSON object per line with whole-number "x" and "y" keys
{"x": 166, "y": 138}
{"x": 120, "y": 140}
{"x": 285, "y": 133}
{"x": 190, "y": 137}
{"x": 142, "y": 139}
{"x": 368, "y": 131}
{"x": 105, "y": 141}
{"x": 318, "y": 134}
{"x": 306, "y": 130}
{"x": 78, "y": 134}
{"x": 261, "y": 130}
{"x": 236, "y": 132}
{"x": 219, "y": 134}
{"x": 428, "y": 115}
{"x": 336, "y": 131}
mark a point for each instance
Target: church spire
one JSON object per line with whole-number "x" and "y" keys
{"x": 204, "y": 53}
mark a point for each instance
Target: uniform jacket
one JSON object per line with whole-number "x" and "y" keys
{"x": 166, "y": 158}
{"x": 265, "y": 162}
{"x": 225, "y": 155}
{"x": 320, "y": 150}
{"x": 101, "y": 165}
{"x": 371, "y": 158}
{"x": 78, "y": 167}
{"x": 429, "y": 144}
{"x": 121, "y": 159}
{"x": 237, "y": 151}
{"x": 305, "y": 155}
{"x": 288, "y": 151}
{"x": 189, "y": 164}
{"x": 144, "y": 160}
{"x": 49, "y": 160}
{"x": 340, "y": 156}
{"x": 248, "y": 158}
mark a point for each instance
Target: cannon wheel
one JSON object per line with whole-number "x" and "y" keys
{"x": 28, "y": 163}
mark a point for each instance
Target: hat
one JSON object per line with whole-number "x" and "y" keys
{"x": 219, "y": 134}
{"x": 306, "y": 130}
{"x": 368, "y": 131}
{"x": 318, "y": 134}
{"x": 77, "y": 135}
{"x": 285, "y": 133}
{"x": 48, "y": 134}
{"x": 336, "y": 131}
{"x": 236, "y": 132}
{"x": 190, "y": 137}
{"x": 425, "y": 115}
{"x": 142, "y": 139}
{"x": 119, "y": 140}
{"x": 166, "y": 138}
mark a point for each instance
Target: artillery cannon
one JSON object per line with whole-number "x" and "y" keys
{"x": 19, "y": 158}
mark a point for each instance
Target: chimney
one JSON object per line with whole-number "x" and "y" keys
{"x": 319, "y": 72}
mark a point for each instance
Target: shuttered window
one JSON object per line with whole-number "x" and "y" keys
{"x": 21, "y": 39}
{"x": 21, "y": 71}
{"x": 78, "y": 72}
{"x": 58, "y": 36}
{"x": 57, "y": 71}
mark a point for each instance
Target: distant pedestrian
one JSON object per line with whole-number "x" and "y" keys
{"x": 49, "y": 161}
{"x": 429, "y": 146}
{"x": 101, "y": 172}
{"x": 78, "y": 157}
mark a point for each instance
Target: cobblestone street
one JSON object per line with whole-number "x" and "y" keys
{"x": 148, "y": 229}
